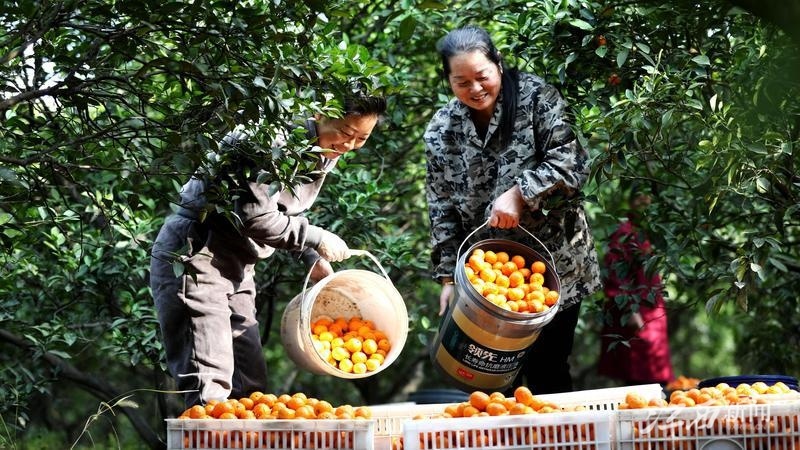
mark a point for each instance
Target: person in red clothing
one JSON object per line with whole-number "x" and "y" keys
{"x": 635, "y": 342}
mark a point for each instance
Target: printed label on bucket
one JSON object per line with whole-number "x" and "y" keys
{"x": 473, "y": 355}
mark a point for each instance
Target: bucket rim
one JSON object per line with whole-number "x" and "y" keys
{"x": 485, "y": 303}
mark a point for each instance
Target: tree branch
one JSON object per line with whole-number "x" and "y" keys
{"x": 94, "y": 385}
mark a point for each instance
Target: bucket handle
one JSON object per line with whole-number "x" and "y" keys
{"x": 351, "y": 252}
{"x": 458, "y": 255}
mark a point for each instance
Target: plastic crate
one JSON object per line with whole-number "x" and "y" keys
{"x": 735, "y": 427}
{"x": 607, "y": 399}
{"x": 202, "y": 434}
{"x": 390, "y": 418}
{"x": 582, "y": 430}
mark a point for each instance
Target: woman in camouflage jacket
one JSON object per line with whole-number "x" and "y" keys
{"x": 502, "y": 151}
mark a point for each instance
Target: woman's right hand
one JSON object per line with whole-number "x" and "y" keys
{"x": 445, "y": 296}
{"x": 332, "y": 247}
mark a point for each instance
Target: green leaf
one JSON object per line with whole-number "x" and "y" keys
{"x": 582, "y": 24}
{"x": 622, "y": 56}
{"x": 701, "y": 60}
{"x": 407, "y": 27}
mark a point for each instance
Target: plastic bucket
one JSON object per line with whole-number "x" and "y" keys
{"x": 346, "y": 293}
{"x": 480, "y": 346}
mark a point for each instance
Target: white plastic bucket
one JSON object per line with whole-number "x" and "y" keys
{"x": 347, "y": 293}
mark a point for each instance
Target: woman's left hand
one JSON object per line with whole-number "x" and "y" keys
{"x": 321, "y": 270}
{"x": 507, "y": 209}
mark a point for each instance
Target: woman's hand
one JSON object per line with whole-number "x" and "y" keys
{"x": 444, "y": 297}
{"x": 507, "y": 209}
{"x": 320, "y": 270}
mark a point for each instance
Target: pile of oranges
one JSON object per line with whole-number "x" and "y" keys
{"x": 509, "y": 282}
{"x": 352, "y": 345}
{"x": 271, "y": 406}
{"x": 720, "y": 395}
{"x": 481, "y": 404}
{"x": 496, "y": 404}
{"x": 668, "y": 431}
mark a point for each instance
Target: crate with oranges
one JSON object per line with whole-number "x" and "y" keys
{"x": 353, "y": 345}
{"x": 492, "y": 420}
{"x": 721, "y": 416}
{"x": 509, "y": 281}
{"x": 272, "y": 422}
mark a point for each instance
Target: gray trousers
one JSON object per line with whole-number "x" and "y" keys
{"x": 207, "y": 315}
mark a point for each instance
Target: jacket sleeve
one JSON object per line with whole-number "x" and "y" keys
{"x": 563, "y": 163}
{"x": 263, "y": 221}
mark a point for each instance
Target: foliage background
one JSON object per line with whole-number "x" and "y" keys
{"x": 107, "y": 107}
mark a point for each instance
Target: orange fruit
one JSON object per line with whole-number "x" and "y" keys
{"x": 551, "y": 298}
{"x": 353, "y": 345}
{"x": 503, "y": 280}
{"x": 196, "y": 412}
{"x": 516, "y": 278}
{"x": 508, "y": 268}
{"x": 247, "y": 402}
{"x": 519, "y": 261}
{"x": 488, "y": 275}
{"x": 479, "y": 400}
{"x": 502, "y": 257}
{"x": 305, "y": 412}
{"x": 523, "y": 394}
{"x": 490, "y": 257}
{"x": 369, "y": 346}
{"x": 295, "y": 402}
{"x": 345, "y": 365}
{"x": 538, "y": 267}
{"x": 261, "y": 411}
{"x": 497, "y": 397}
{"x": 363, "y": 411}
{"x": 246, "y": 414}
{"x": 359, "y": 367}
{"x": 372, "y": 364}
{"x": 496, "y": 409}
{"x": 286, "y": 413}
{"x": 635, "y": 401}
{"x": 515, "y": 294}
{"x": 519, "y": 409}
{"x": 469, "y": 411}
{"x": 221, "y": 408}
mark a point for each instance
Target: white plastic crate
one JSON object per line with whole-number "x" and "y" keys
{"x": 582, "y": 430}
{"x": 735, "y": 427}
{"x": 318, "y": 434}
{"x": 390, "y": 418}
{"x": 607, "y": 399}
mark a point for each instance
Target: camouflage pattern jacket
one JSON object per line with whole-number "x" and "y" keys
{"x": 465, "y": 173}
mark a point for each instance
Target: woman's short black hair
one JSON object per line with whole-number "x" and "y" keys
{"x": 364, "y": 105}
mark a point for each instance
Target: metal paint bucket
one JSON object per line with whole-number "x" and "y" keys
{"x": 480, "y": 346}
